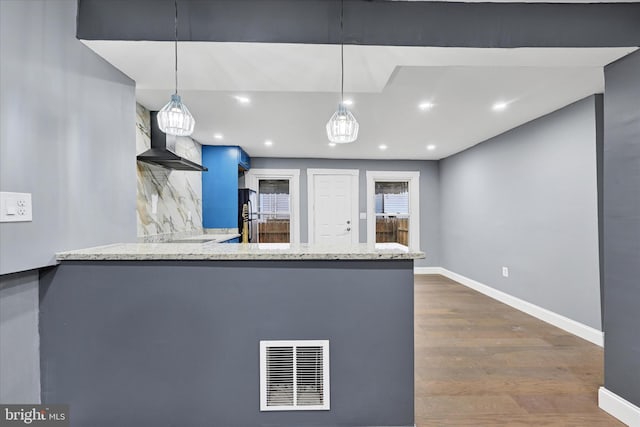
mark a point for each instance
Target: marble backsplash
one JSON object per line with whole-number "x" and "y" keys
{"x": 169, "y": 202}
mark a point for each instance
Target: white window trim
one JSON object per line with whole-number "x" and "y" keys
{"x": 355, "y": 222}
{"x": 293, "y": 175}
{"x": 413, "y": 178}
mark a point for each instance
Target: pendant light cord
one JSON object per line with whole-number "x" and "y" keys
{"x": 175, "y": 25}
{"x": 342, "y": 52}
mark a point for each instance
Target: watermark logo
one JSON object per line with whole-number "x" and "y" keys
{"x": 34, "y": 415}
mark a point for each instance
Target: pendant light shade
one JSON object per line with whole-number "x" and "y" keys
{"x": 175, "y": 118}
{"x": 342, "y": 128}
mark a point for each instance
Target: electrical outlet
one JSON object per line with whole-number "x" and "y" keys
{"x": 505, "y": 271}
{"x": 15, "y": 207}
{"x": 154, "y": 204}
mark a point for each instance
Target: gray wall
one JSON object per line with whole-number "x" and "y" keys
{"x": 527, "y": 200}
{"x": 622, "y": 228}
{"x": 177, "y": 343}
{"x": 67, "y": 135}
{"x": 429, "y": 194}
{"x": 19, "y": 339}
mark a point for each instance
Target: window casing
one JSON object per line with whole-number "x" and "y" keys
{"x": 393, "y": 208}
{"x": 276, "y": 208}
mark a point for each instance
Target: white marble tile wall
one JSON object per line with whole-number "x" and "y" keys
{"x": 169, "y": 201}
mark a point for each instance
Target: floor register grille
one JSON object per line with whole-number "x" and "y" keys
{"x": 294, "y": 375}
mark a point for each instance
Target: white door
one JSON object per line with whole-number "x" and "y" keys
{"x": 334, "y": 207}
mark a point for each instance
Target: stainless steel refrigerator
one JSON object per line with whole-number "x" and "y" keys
{"x": 248, "y": 196}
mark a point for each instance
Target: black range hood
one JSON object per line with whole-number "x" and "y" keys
{"x": 159, "y": 155}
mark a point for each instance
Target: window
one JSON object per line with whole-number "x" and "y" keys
{"x": 274, "y": 215}
{"x": 278, "y": 206}
{"x": 393, "y": 208}
{"x": 392, "y": 212}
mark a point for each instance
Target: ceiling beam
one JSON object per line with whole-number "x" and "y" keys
{"x": 366, "y": 22}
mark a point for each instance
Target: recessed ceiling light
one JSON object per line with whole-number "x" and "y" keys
{"x": 218, "y": 136}
{"x": 268, "y": 143}
{"x": 425, "y": 105}
{"x": 348, "y": 102}
{"x": 332, "y": 144}
{"x": 500, "y": 106}
{"x": 242, "y": 99}
{"x": 382, "y": 147}
{"x": 431, "y": 147}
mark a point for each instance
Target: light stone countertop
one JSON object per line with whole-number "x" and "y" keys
{"x": 238, "y": 251}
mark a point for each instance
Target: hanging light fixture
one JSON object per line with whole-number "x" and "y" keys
{"x": 342, "y": 128}
{"x": 175, "y": 118}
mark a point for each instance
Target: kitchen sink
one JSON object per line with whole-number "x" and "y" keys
{"x": 203, "y": 240}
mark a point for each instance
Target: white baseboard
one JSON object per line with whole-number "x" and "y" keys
{"x": 576, "y": 328}
{"x": 428, "y": 270}
{"x": 620, "y": 408}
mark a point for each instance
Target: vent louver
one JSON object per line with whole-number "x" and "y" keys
{"x": 294, "y": 375}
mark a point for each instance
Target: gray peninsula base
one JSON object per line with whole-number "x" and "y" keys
{"x": 176, "y": 343}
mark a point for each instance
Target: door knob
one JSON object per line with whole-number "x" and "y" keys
{"x": 348, "y": 228}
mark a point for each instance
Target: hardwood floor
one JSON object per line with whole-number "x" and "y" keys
{"x": 482, "y": 363}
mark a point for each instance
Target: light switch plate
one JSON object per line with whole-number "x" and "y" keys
{"x": 15, "y": 207}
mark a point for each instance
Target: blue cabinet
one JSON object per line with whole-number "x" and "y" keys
{"x": 244, "y": 161}
{"x": 220, "y": 184}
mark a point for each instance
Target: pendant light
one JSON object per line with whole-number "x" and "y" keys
{"x": 175, "y": 118}
{"x": 342, "y": 128}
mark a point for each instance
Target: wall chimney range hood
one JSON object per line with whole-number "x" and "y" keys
{"x": 160, "y": 155}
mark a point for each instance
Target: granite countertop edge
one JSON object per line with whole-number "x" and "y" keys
{"x": 235, "y": 251}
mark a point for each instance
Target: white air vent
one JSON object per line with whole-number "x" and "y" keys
{"x": 294, "y": 375}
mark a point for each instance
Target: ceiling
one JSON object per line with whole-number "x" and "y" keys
{"x": 294, "y": 89}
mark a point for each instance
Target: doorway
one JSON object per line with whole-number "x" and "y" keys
{"x": 333, "y": 206}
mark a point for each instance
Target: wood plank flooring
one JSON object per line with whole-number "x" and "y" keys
{"x": 482, "y": 363}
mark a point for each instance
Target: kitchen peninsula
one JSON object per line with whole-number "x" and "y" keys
{"x": 169, "y": 333}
